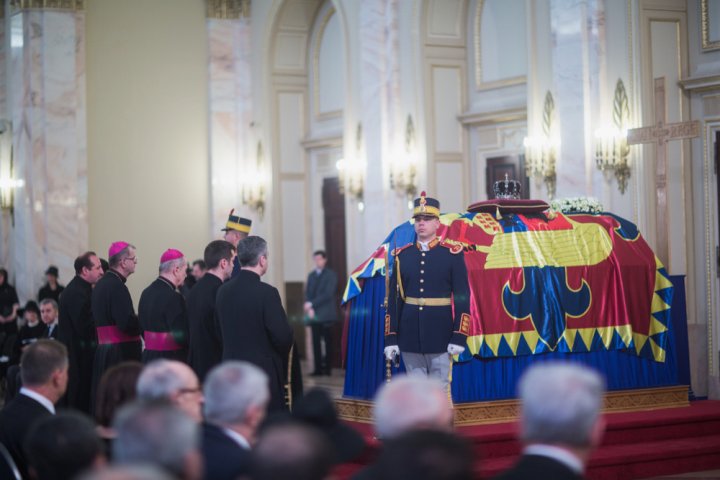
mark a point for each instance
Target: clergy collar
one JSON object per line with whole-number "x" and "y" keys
{"x": 430, "y": 245}
{"x": 167, "y": 282}
{"x": 118, "y": 274}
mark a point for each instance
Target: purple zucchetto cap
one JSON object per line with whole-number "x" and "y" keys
{"x": 116, "y": 247}
{"x": 171, "y": 254}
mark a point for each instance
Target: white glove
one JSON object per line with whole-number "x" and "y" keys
{"x": 455, "y": 349}
{"x": 392, "y": 351}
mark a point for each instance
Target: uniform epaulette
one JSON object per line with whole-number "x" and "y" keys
{"x": 454, "y": 248}
{"x": 397, "y": 250}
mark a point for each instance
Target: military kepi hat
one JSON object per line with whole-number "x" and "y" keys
{"x": 235, "y": 222}
{"x": 426, "y": 206}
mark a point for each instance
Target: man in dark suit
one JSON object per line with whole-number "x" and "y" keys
{"x": 162, "y": 313}
{"x": 49, "y": 317}
{"x": 321, "y": 311}
{"x": 44, "y": 373}
{"x": 236, "y": 397}
{"x": 76, "y": 329}
{"x": 205, "y": 340}
{"x": 118, "y": 329}
{"x": 252, "y": 320}
{"x": 560, "y": 423}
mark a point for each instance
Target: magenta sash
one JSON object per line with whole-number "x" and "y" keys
{"x": 160, "y": 341}
{"x": 111, "y": 335}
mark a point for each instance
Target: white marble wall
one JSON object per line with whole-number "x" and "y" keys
{"x": 5, "y": 218}
{"x": 231, "y": 114}
{"x": 47, "y": 108}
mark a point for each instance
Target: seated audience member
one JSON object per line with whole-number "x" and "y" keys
{"x": 317, "y": 409}
{"x": 128, "y": 472}
{"x": 425, "y": 455}
{"x": 63, "y": 446}
{"x": 32, "y": 330}
{"x": 49, "y": 317}
{"x": 158, "y": 434}
{"x": 173, "y": 382}
{"x": 560, "y": 423}
{"x": 117, "y": 388}
{"x": 411, "y": 403}
{"x": 291, "y": 451}
{"x": 52, "y": 289}
{"x": 43, "y": 370}
{"x": 236, "y": 397}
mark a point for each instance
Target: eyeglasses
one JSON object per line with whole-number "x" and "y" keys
{"x": 132, "y": 259}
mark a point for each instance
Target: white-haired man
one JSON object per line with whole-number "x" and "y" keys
{"x": 172, "y": 382}
{"x": 236, "y": 398}
{"x": 560, "y": 424}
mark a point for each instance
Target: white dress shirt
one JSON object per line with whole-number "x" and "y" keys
{"x": 558, "y": 454}
{"x": 38, "y": 398}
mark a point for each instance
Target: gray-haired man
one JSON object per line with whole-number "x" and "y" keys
{"x": 560, "y": 423}
{"x": 236, "y": 398}
{"x": 252, "y": 320}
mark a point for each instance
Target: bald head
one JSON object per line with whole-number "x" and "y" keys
{"x": 173, "y": 382}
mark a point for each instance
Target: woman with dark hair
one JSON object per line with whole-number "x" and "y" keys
{"x": 9, "y": 305}
{"x": 117, "y": 387}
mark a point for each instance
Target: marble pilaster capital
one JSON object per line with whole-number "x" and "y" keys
{"x": 69, "y": 5}
{"x": 228, "y": 9}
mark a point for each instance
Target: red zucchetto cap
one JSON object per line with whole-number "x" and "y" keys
{"x": 171, "y": 254}
{"x": 116, "y": 247}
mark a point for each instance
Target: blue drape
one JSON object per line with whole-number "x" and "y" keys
{"x": 495, "y": 379}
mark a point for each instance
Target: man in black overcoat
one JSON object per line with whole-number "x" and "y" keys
{"x": 205, "y": 340}
{"x": 76, "y": 329}
{"x": 118, "y": 329}
{"x": 321, "y": 311}
{"x": 253, "y": 323}
{"x": 162, "y": 313}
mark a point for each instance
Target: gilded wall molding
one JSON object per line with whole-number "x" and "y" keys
{"x": 70, "y": 5}
{"x": 480, "y": 84}
{"x": 228, "y": 9}
{"x": 707, "y": 42}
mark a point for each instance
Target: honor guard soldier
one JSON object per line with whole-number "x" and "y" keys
{"x": 162, "y": 313}
{"x": 236, "y": 228}
{"x": 428, "y": 283}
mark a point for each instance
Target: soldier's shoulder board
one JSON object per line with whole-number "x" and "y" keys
{"x": 396, "y": 251}
{"x": 454, "y": 248}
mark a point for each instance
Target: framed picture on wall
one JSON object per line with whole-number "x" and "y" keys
{"x": 710, "y": 19}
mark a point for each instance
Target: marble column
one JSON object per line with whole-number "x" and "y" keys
{"x": 5, "y": 216}
{"x": 46, "y": 104}
{"x": 377, "y": 112}
{"x": 231, "y": 105}
{"x": 575, "y": 26}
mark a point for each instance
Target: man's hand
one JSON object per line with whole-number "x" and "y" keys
{"x": 307, "y": 306}
{"x": 455, "y": 349}
{"x": 392, "y": 351}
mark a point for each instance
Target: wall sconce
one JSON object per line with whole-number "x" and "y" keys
{"x": 403, "y": 168}
{"x": 253, "y": 183}
{"x": 611, "y": 146}
{"x": 351, "y": 173}
{"x": 8, "y": 184}
{"x": 541, "y": 150}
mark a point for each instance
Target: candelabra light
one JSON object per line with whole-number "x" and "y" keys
{"x": 8, "y": 183}
{"x": 254, "y": 183}
{"x": 403, "y": 168}
{"x": 611, "y": 146}
{"x": 351, "y": 173}
{"x": 541, "y": 150}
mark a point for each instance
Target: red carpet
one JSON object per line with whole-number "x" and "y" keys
{"x": 636, "y": 445}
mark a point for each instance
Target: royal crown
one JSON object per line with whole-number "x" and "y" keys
{"x": 507, "y": 188}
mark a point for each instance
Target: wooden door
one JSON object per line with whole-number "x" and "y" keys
{"x": 513, "y": 166}
{"x": 334, "y": 214}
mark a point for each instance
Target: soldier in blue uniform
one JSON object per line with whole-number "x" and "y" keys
{"x": 429, "y": 278}
{"x": 236, "y": 228}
